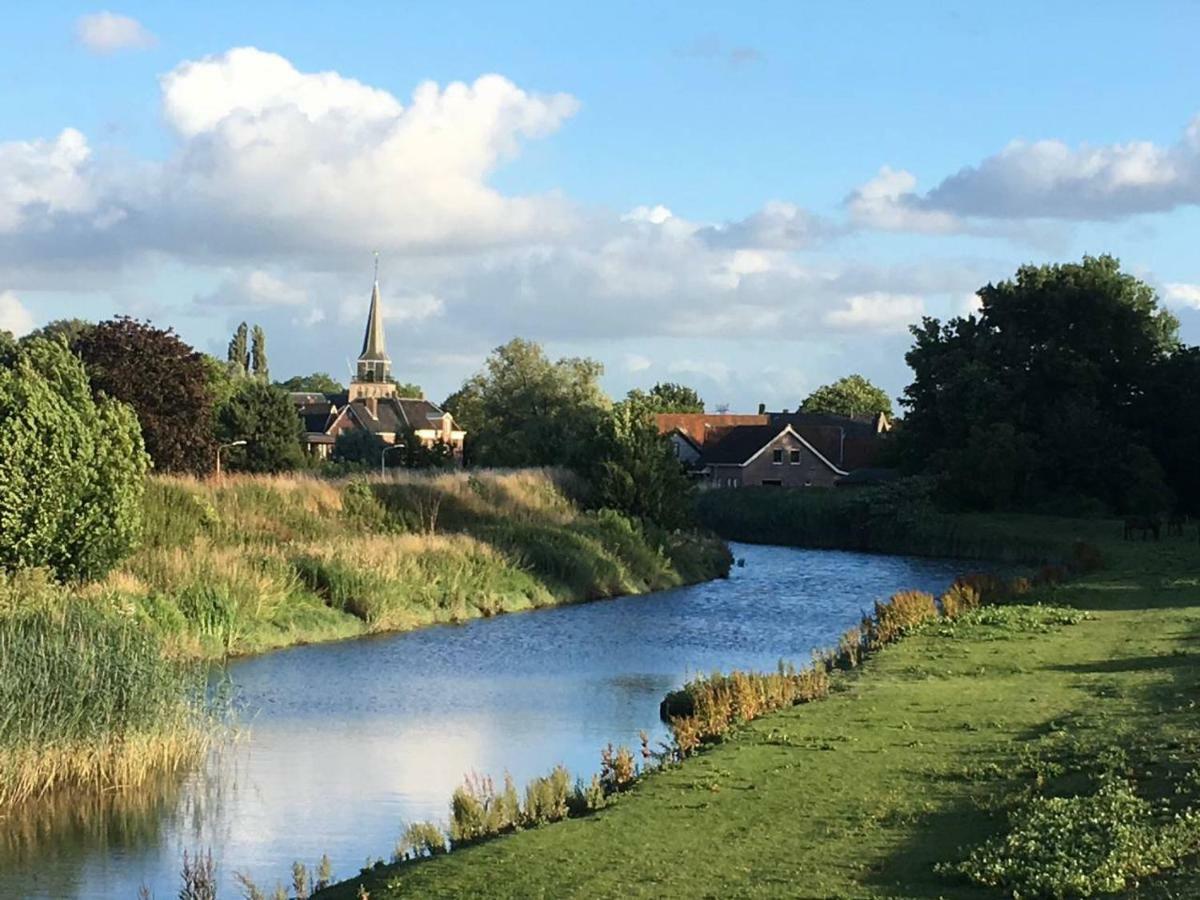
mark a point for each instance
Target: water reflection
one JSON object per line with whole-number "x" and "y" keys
{"x": 348, "y": 741}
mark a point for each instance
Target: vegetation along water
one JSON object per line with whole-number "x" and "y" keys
{"x": 1043, "y": 747}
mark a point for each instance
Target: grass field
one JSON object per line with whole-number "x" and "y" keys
{"x": 913, "y": 760}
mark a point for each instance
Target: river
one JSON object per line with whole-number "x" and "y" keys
{"x": 345, "y": 742}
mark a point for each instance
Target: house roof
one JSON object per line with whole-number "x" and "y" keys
{"x": 744, "y": 442}
{"x": 856, "y": 425}
{"x": 684, "y": 436}
{"x": 703, "y": 428}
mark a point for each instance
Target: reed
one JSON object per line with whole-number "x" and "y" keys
{"x": 88, "y": 699}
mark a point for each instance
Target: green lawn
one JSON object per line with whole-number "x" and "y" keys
{"x": 909, "y": 761}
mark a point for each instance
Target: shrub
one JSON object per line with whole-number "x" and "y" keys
{"x": 420, "y": 839}
{"x": 1082, "y": 845}
{"x": 546, "y": 799}
{"x": 617, "y": 769}
{"x": 477, "y": 811}
{"x": 71, "y": 468}
{"x": 903, "y": 612}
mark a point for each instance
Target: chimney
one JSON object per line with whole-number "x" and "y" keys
{"x": 762, "y": 409}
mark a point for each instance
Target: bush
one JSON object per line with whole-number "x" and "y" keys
{"x": 1081, "y": 846}
{"x": 71, "y": 468}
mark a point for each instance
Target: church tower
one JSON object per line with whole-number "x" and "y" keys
{"x": 373, "y": 374}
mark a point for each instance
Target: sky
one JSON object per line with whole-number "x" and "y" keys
{"x": 752, "y": 199}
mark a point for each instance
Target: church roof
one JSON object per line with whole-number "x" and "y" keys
{"x": 373, "y": 347}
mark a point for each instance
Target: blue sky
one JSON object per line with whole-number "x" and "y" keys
{"x": 690, "y": 192}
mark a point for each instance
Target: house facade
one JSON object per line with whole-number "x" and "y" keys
{"x": 372, "y": 403}
{"x": 767, "y": 456}
{"x": 783, "y": 449}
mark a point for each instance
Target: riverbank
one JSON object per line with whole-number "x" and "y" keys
{"x": 912, "y": 761}
{"x": 249, "y": 564}
{"x": 253, "y": 563}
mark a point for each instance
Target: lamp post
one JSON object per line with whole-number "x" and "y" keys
{"x": 221, "y": 447}
{"x": 383, "y": 456}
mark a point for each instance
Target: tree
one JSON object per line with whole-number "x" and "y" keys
{"x": 525, "y": 410}
{"x": 264, "y": 417}
{"x": 239, "y": 351}
{"x": 668, "y": 397}
{"x": 359, "y": 446}
{"x": 849, "y": 396}
{"x": 640, "y": 475}
{"x": 258, "y": 353}
{"x": 317, "y": 383}
{"x": 1064, "y": 355}
{"x": 67, "y": 330}
{"x": 72, "y": 466}
{"x": 408, "y": 389}
{"x": 165, "y": 381}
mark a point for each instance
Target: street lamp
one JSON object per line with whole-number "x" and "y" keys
{"x": 383, "y": 456}
{"x": 221, "y": 447}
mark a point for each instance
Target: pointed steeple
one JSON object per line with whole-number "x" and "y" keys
{"x": 374, "y": 363}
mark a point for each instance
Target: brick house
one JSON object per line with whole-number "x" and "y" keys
{"x": 753, "y": 455}
{"x": 373, "y": 404}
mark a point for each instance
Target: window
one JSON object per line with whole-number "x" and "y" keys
{"x": 795, "y": 458}
{"x": 777, "y": 457}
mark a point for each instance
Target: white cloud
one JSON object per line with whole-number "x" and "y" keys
{"x": 635, "y": 362}
{"x": 42, "y": 178}
{"x": 106, "y": 32}
{"x": 1183, "y": 295}
{"x": 887, "y": 202}
{"x": 253, "y": 290}
{"x": 1044, "y": 179}
{"x": 877, "y": 311}
{"x": 414, "y": 308}
{"x": 14, "y": 317}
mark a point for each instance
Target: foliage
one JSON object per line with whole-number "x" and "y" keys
{"x": 1053, "y": 369}
{"x": 1172, "y": 432}
{"x": 164, "y": 380}
{"x": 238, "y": 355}
{"x": 263, "y": 416}
{"x": 317, "y": 382}
{"x": 420, "y": 839}
{"x": 359, "y": 446}
{"x": 258, "y": 354}
{"x": 853, "y": 395}
{"x": 67, "y": 330}
{"x": 88, "y": 697}
{"x": 408, "y": 389}
{"x": 525, "y": 410}
{"x": 419, "y": 455}
{"x": 639, "y": 474}
{"x": 668, "y": 397}
{"x": 71, "y": 467}
{"x": 1080, "y": 846}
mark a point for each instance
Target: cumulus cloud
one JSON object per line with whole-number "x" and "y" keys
{"x": 42, "y": 178}
{"x": 1183, "y": 295}
{"x": 1045, "y": 179}
{"x": 14, "y": 318}
{"x": 877, "y": 312}
{"x": 107, "y": 32}
{"x": 255, "y": 289}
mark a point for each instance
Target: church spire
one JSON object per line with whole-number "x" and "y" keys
{"x": 373, "y": 362}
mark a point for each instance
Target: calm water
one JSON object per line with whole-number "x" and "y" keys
{"x": 347, "y": 741}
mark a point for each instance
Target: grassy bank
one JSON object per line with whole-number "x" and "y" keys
{"x": 253, "y": 563}
{"x": 1076, "y": 718}
{"x": 98, "y": 687}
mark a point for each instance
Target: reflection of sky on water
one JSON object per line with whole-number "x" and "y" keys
{"x": 347, "y": 741}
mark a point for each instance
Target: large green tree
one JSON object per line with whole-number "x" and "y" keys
{"x": 639, "y": 473}
{"x": 238, "y": 354}
{"x": 317, "y": 382}
{"x": 264, "y": 417}
{"x": 72, "y": 467}
{"x": 668, "y": 397}
{"x": 525, "y": 409}
{"x": 853, "y": 395}
{"x": 167, "y": 383}
{"x": 1056, "y": 366}
{"x": 258, "y": 354}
